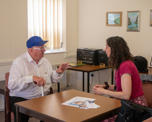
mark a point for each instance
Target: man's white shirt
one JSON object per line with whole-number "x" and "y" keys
{"x": 21, "y": 76}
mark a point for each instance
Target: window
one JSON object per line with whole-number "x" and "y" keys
{"x": 45, "y": 18}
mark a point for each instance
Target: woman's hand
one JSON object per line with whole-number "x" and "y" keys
{"x": 99, "y": 86}
{"x": 99, "y": 89}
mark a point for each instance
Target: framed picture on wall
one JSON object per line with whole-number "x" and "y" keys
{"x": 151, "y": 17}
{"x": 133, "y": 20}
{"x": 114, "y": 18}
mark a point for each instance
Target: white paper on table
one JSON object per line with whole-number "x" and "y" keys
{"x": 81, "y": 102}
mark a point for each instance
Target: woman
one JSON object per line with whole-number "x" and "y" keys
{"x": 128, "y": 83}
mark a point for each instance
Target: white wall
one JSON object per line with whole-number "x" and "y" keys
{"x": 93, "y": 30}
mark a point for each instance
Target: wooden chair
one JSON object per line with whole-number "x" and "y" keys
{"x": 147, "y": 88}
{"x": 7, "y": 100}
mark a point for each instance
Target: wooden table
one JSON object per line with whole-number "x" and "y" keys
{"x": 88, "y": 69}
{"x": 50, "y": 109}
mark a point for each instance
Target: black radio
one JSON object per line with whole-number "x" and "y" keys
{"x": 92, "y": 56}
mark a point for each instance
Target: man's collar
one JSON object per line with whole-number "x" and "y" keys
{"x": 29, "y": 58}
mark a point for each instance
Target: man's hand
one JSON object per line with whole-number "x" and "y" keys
{"x": 38, "y": 80}
{"x": 62, "y": 68}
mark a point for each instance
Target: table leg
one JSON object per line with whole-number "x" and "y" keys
{"x": 58, "y": 87}
{"x": 17, "y": 114}
{"x": 83, "y": 81}
{"x": 88, "y": 89}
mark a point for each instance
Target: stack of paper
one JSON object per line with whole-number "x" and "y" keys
{"x": 81, "y": 102}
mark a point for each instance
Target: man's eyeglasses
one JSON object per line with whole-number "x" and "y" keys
{"x": 39, "y": 48}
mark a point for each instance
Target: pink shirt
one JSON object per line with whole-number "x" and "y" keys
{"x": 129, "y": 68}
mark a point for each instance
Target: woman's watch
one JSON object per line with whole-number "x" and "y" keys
{"x": 106, "y": 85}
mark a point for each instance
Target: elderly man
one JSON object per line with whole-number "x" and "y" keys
{"x": 31, "y": 74}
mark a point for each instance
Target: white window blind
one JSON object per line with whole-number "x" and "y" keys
{"x": 45, "y": 20}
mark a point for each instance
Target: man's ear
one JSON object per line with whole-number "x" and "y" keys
{"x": 30, "y": 50}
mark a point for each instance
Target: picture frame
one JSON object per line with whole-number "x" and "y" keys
{"x": 114, "y": 18}
{"x": 151, "y": 17}
{"x": 133, "y": 21}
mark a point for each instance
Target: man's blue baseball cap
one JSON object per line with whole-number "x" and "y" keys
{"x": 35, "y": 41}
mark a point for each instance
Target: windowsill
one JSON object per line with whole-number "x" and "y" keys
{"x": 55, "y": 51}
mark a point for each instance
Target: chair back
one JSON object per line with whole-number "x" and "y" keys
{"x": 7, "y": 100}
{"x": 147, "y": 88}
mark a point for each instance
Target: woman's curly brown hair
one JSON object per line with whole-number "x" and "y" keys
{"x": 119, "y": 51}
